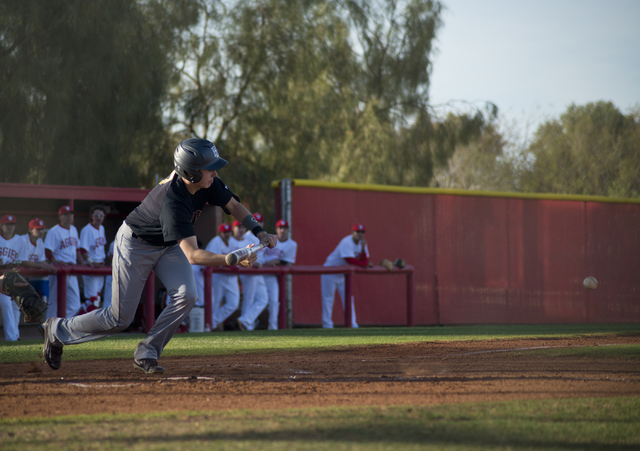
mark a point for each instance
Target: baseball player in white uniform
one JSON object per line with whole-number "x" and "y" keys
{"x": 352, "y": 250}
{"x": 61, "y": 247}
{"x": 11, "y": 247}
{"x": 33, "y": 257}
{"x": 254, "y": 291}
{"x": 92, "y": 243}
{"x": 223, "y": 286}
{"x": 283, "y": 254}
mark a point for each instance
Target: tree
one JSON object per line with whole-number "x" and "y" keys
{"x": 592, "y": 150}
{"x": 316, "y": 89}
{"x": 81, "y": 88}
{"x": 481, "y": 164}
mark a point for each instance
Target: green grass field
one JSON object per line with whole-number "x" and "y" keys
{"x": 567, "y": 424}
{"x": 205, "y": 344}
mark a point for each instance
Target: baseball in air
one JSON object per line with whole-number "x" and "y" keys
{"x": 590, "y": 283}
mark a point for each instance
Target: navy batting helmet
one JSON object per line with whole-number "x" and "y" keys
{"x": 194, "y": 154}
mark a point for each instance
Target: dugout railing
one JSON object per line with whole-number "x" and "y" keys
{"x": 281, "y": 272}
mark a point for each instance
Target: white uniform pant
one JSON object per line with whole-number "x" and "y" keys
{"x": 273, "y": 292}
{"x": 257, "y": 300}
{"x": 92, "y": 286}
{"x": 224, "y": 287}
{"x": 73, "y": 297}
{"x": 329, "y": 284}
{"x": 133, "y": 261}
{"x": 10, "y": 318}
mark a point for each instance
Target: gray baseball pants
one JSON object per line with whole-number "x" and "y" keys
{"x": 133, "y": 260}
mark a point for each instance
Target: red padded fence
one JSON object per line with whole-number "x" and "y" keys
{"x": 497, "y": 258}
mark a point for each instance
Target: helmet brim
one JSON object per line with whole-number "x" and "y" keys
{"x": 216, "y": 164}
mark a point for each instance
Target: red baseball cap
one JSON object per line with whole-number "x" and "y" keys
{"x": 8, "y": 219}
{"x": 64, "y": 210}
{"x": 282, "y": 223}
{"x": 358, "y": 228}
{"x": 224, "y": 227}
{"x": 36, "y": 224}
{"x": 258, "y": 217}
{"x": 236, "y": 223}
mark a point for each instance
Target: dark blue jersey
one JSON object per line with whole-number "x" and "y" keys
{"x": 169, "y": 211}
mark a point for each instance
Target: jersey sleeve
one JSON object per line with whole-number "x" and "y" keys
{"x": 85, "y": 238}
{"x": 290, "y": 254}
{"x": 50, "y": 240}
{"x": 347, "y": 248}
{"x": 219, "y": 194}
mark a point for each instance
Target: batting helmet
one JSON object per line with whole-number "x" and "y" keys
{"x": 194, "y": 154}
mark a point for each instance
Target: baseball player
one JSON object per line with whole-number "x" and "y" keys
{"x": 284, "y": 253}
{"x": 61, "y": 247}
{"x": 254, "y": 291}
{"x": 33, "y": 257}
{"x": 158, "y": 235}
{"x": 223, "y": 286}
{"x": 92, "y": 243}
{"x": 11, "y": 247}
{"x": 352, "y": 250}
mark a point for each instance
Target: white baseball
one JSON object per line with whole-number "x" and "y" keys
{"x": 590, "y": 283}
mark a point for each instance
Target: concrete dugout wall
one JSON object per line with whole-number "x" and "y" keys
{"x": 479, "y": 257}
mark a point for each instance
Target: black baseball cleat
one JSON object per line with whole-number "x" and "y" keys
{"x": 148, "y": 365}
{"x": 52, "y": 353}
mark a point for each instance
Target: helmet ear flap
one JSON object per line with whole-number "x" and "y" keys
{"x": 193, "y": 178}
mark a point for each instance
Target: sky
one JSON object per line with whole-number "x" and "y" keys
{"x": 533, "y": 58}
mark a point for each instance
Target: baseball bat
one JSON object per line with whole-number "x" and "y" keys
{"x": 240, "y": 254}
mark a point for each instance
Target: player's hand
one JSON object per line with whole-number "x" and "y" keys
{"x": 249, "y": 261}
{"x": 270, "y": 240}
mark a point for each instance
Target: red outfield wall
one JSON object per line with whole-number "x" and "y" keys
{"x": 478, "y": 257}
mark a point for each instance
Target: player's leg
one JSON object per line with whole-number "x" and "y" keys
{"x": 328, "y": 285}
{"x": 249, "y": 284}
{"x": 73, "y": 296}
{"x": 273, "y": 291}
{"x": 217, "y": 296}
{"x": 231, "y": 300}
{"x": 132, "y": 263}
{"x": 16, "y": 316}
{"x": 175, "y": 272}
{"x": 106, "y": 297}
{"x": 260, "y": 302}
{"x": 11, "y": 332}
{"x": 52, "y": 310}
{"x": 92, "y": 287}
{"x": 353, "y": 309}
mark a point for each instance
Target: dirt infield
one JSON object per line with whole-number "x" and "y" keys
{"x": 416, "y": 373}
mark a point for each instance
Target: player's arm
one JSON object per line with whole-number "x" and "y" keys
{"x": 41, "y": 265}
{"x": 79, "y": 257}
{"x": 48, "y": 253}
{"x": 197, "y": 256}
{"x": 243, "y": 215}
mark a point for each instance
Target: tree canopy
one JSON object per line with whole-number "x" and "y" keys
{"x": 591, "y": 149}
{"x": 81, "y": 88}
{"x": 100, "y": 93}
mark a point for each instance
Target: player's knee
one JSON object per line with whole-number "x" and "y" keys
{"x": 187, "y": 296}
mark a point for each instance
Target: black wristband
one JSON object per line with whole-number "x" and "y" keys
{"x": 257, "y": 229}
